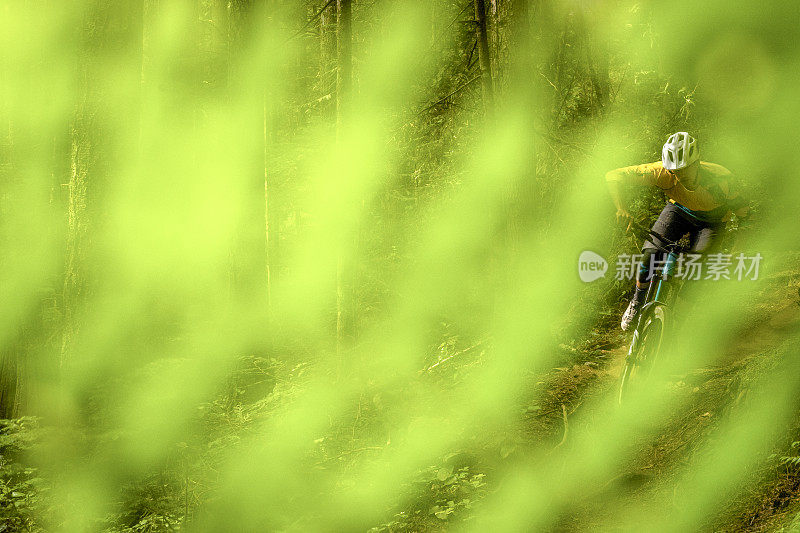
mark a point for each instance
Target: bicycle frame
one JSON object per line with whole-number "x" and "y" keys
{"x": 656, "y": 322}
{"x": 659, "y": 293}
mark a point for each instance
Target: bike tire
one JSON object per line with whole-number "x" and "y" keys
{"x": 643, "y": 354}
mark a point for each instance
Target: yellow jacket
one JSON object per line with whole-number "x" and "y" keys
{"x": 715, "y": 187}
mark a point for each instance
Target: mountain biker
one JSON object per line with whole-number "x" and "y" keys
{"x": 701, "y": 195}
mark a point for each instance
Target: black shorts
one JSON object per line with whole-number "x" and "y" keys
{"x": 673, "y": 223}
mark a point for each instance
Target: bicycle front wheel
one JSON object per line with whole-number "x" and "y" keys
{"x": 648, "y": 339}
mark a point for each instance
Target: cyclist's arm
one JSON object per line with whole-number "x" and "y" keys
{"x": 616, "y": 195}
{"x": 737, "y": 203}
{"x": 739, "y": 206}
{"x": 742, "y": 213}
{"x": 647, "y": 174}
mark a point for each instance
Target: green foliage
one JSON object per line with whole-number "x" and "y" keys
{"x": 237, "y": 311}
{"x": 442, "y": 494}
{"x": 22, "y": 489}
{"x": 791, "y": 460}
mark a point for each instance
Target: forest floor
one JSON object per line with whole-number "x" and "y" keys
{"x": 557, "y": 408}
{"x": 771, "y": 494}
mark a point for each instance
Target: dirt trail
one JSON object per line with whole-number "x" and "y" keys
{"x": 707, "y": 393}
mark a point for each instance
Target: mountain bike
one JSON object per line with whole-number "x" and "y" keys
{"x": 655, "y": 321}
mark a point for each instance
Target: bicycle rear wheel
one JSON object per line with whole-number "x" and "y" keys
{"x": 643, "y": 354}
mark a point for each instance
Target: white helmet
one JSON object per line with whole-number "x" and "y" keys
{"x": 679, "y": 151}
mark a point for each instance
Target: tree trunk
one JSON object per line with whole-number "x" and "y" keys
{"x": 344, "y": 83}
{"x": 267, "y": 192}
{"x": 9, "y": 382}
{"x": 327, "y": 57}
{"x": 270, "y": 240}
{"x": 484, "y": 56}
{"x": 344, "y": 40}
{"x": 99, "y": 133}
{"x": 77, "y": 228}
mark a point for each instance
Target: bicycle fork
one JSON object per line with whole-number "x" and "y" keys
{"x": 634, "y": 344}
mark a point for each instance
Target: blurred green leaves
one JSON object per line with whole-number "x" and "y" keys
{"x": 158, "y": 159}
